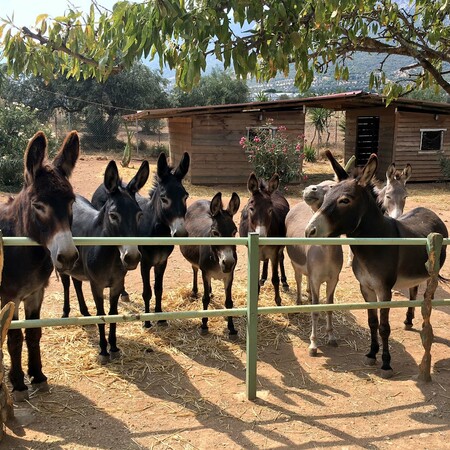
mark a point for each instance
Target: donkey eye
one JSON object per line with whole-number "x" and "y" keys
{"x": 39, "y": 207}
{"x": 164, "y": 200}
{"x": 215, "y": 233}
{"x": 114, "y": 217}
{"x": 344, "y": 201}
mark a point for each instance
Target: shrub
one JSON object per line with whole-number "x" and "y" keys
{"x": 271, "y": 150}
{"x": 310, "y": 153}
{"x": 17, "y": 125}
{"x": 157, "y": 149}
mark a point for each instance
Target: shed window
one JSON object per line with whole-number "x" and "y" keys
{"x": 252, "y": 132}
{"x": 431, "y": 140}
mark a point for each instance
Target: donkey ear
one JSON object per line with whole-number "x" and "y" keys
{"x": 369, "y": 170}
{"x": 162, "y": 166}
{"x": 216, "y": 204}
{"x": 183, "y": 167}
{"x": 68, "y": 154}
{"x": 274, "y": 182}
{"x": 406, "y": 173}
{"x": 234, "y": 204}
{"x": 390, "y": 173}
{"x": 252, "y": 183}
{"x": 340, "y": 172}
{"x": 141, "y": 177}
{"x": 34, "y": 155}
{"x": 111, "y": 179}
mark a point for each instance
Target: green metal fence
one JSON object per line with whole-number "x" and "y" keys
{"x": 434, "y": 243}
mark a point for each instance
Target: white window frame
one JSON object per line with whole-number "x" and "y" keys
{"x": 428, "y": 152}
{"x": 262, "y": 127}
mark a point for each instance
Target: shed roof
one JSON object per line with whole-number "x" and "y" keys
{"x": 338, "y": 102}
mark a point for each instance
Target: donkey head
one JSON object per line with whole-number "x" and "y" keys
{"x": 394, "y": 194}
{"x": 346, "y": 203}
{"x": 121, "y": 212}
{"x": 49, "y": 196}
{"x": 224, "y": 226}
{"x": 260, "y": 205}
{"x": 171, "y": 194}
{"x": 314, "y": 194}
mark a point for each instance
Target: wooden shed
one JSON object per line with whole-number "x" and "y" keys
{"x": 405, "y": 131}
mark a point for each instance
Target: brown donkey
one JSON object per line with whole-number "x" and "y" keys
{"x": 41, "y": 211}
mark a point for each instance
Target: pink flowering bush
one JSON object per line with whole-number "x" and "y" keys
{"x": 271, "y": 150}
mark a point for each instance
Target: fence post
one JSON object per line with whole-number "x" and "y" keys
{"x": 6, "y": 315}
{"x": 434, "y": 246}
{"x": 252, "y": 314}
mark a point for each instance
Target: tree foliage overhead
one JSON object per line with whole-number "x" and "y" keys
{"x": 275, "y": 36}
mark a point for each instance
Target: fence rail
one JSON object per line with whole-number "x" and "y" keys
{"x": 253, "y": 241}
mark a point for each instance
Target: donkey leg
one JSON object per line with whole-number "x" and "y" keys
{"x": 372, "y": 315}
{"x": 265, "y": 269}
{"x": 194, "y": 282}
{"x": 410, "y": 313}
{"x": 228, "y": 284}
{"x": 159, "y": 278}
{"x": 276, "y": 279}
{"x": 97, "y": 293}
{"x": 331, "y": 287}
{"x": 65, "y": 280}
{"x": 16, "y": 374}
{"x": 385, "y": 331}
{"x": 298, "y": 281}
{"x": 147, "y": 290}
{"x": 284, "y": 282}
{"x": 113, "y": 310}
{"x": 205, "y": 299}
{"x": 78, "y": 285}
{"x": 32, "y": 307}
{"x": 315, "y": 289}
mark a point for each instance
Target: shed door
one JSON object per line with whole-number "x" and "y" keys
{"x": 367, "y": 138}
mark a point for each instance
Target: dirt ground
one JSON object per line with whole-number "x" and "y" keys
{"x": 175, "y": 389}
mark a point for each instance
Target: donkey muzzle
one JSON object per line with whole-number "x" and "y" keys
{"x": 130, "y": 256}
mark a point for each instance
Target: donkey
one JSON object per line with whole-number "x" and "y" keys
{"x": 350, "y": 208}
{"x": 208, "y": 219}
{"x": 164, "y": 212}
{"x": 126, "y": 189}
{"x": 265, "y": 213}
{"x": 320, "y": 263}
{"x": 106, "y": 266}
{"x": 41, "y": 211}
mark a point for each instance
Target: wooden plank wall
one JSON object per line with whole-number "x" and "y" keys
{"x": 213, "y": 143}
{"x": 425, "y": 165}
{"x": 386, "y": 140}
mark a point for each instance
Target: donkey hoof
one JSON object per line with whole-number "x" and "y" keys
{"x": 125, "y": 298}
{"x": 332, "y": 343}
{"x": 103, "y": 359}
{"x": 162, "y": 323}
{"x": 20, "y": 396}
{"x": 278, "y": 301}
{"x": 146, "y": 325}
{"x": 312, "y": 351}
{"x": 204, "y": 331}
{"x": 386, "y": 374}
{"x": 41, "y": 387}
{"x": 408, "y": 326}
{"x": 261, "y": 282}
{"x": 114, "y": 354}
{"x": 369, "y": 361}
{"x": 285, "y": 287}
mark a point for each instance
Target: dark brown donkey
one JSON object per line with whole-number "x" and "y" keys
{"x": 265, "y": 213}
{"x": 350, "y": 208}
{"x": 41, "y": 211}
{"x": 208, "y": 219}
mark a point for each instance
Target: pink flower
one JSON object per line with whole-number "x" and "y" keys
{"x": 298, "y": 148}
{"x": 282, "y": 128}
{"x": 256, "y": 139}
{"x": 243, "y": 141}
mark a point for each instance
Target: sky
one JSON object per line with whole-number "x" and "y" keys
{"x": 26, "y": 11}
